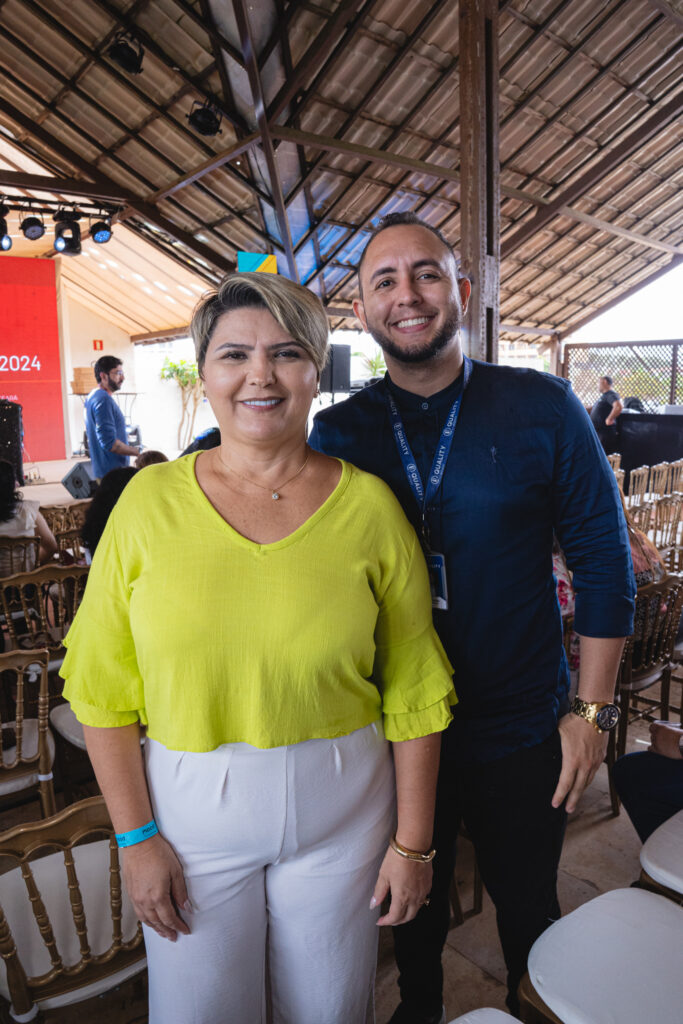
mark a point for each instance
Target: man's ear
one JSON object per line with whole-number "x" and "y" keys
{"x": 359, "y": 311}
{"x": 465, "y": 288}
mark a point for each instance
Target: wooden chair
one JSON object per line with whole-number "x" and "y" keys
{"x": 28, "y": 748}
{"x": 39, "y": 607}
{"x": 67, "y": 929}
{"x": 458, "y": 915}
{"x": 637, "y": 485}
{"x": 667, "y": 522}
{"x": 676, "y": 477}
{"x": 659, "y": 479}
{"x": 616, "y": 958}
{"x": 643, "y": 516}
{"x": 70, "y": 547}
{"x": 57, "y": 517}
{"x": 18, "y": 554}
{"x": 647, "y": 657}
{"x": 614, "y": 461}
{"x": 619, "y": 476}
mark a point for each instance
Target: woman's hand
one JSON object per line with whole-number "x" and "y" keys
{"x": 409, "y": 883}
{"x": 156, "y": 886}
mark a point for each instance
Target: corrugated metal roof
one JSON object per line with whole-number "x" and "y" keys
{"x": 576, "y": 78}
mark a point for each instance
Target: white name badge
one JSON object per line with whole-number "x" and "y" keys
{"x": 436, "y": 566}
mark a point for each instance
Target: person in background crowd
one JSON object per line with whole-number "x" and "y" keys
{"x": 107, "y": 494}
{"x": 104, "y": 422}
{"x": 605, "y": 412}
{"x": 261, "y": 822}
{"x": 150, "y": 457}
{"x": 209, "y": 438}
{"x": 650, "y": 782}
{"x": 487, "y": 461}
{"x": 21, "y": 517}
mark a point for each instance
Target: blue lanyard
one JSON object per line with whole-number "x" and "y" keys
{"x": 424, "y": 498}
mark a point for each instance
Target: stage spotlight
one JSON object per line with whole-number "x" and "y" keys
{"x": 67, "y": 232}
{"x": 127, "y": 52}
{"x": 5, "y": 238}
{"x": 205, "y": 118}
{"x": 101, "y": 232}
{"x": 33, "y": 228}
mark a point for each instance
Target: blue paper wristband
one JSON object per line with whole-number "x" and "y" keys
{"x": 136, "y": 835}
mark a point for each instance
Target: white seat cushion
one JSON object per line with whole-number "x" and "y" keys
{"x": 64, "y": 721}
{"x": 485, "y": 1016}
{"x": 662, "y": 854}
{"x": 92, "y": 869}
{"x": 614, "y": 960}
{"x": 29, "y": 749}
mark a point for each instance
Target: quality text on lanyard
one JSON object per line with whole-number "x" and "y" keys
{"x": 424, "y": 496}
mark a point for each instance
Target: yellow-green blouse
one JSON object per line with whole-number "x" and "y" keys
{"x": 209, "y": 638}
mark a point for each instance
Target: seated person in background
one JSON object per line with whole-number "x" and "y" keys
{"x": 650, "y": 784}
{"x": 149, "y": 458}
{"x": 107, "y": 494}
{"x": 21, "y": 518}
{"x": 209, "y": 438}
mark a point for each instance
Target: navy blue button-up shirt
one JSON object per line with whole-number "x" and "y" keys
{"x": 525, "y": 462}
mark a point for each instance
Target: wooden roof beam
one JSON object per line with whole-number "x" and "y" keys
{"x": 240, "y": 8}
{"x": 612, "y": 159}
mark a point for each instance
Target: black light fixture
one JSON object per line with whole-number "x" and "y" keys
{"x": 67, "y": 232}
{"x": 32, "y": 228}
{"x": 127, "y": 52}
{"x": 206, "y": 117}
{"x": 100, "y": 232}
{"x": 5, "y": 237}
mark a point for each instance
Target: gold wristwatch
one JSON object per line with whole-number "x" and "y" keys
{"x": 602, "y": 715}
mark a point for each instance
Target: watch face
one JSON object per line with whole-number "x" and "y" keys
{"x": 607, "y": 717}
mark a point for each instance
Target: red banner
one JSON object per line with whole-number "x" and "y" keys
{"x": 30, "y": 371}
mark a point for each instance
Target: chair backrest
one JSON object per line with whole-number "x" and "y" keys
{"x": 65, "y": 921}
{"x": 70, "y": 547}
{"x": 643, "y": 516}
{"x": 656, "y": 621}
{"x": 676, "y": 477}
{"x": 57, "y": 517}
{"x": 667, "y": 520}
{"x": 659, "y": 478}
{"x": 637, "y": 485}
{"x": 39, "y": 606}
{"x": 26, "y": 758}
{"x": 18, "y": 554}
{"x": 619, "y": 475}
{"x": 614, "y": 460}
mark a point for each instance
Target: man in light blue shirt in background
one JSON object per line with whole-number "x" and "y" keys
{"x": 104, "y": 422}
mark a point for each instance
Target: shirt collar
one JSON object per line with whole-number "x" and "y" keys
{"x": 441, "y": 400}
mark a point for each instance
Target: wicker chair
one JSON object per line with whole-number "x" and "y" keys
{"x": 67, "y": 929}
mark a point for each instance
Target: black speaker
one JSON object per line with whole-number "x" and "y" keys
{"x": 80, "y": 481}
{"x": 337, "y": 373}
{"x": 12, "y": 436}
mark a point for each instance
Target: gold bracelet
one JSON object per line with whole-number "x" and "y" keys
{"x": 423, "y": 858}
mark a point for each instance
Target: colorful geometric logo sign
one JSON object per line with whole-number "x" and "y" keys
{"x": 251, "y": 262}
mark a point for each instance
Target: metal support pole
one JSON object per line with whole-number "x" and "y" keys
{"x": 480, "y": 174}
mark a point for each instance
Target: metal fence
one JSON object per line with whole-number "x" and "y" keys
{"x": 649, "y": 370}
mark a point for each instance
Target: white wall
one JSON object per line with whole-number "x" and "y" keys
{"x": 158, "y": 408}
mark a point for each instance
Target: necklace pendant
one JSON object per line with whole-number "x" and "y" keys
{"x": 276, "y": 496}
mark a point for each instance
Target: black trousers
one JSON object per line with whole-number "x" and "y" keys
{"x": 517, "y": 835}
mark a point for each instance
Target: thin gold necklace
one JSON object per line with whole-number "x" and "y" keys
{"x": 274, "y": 492}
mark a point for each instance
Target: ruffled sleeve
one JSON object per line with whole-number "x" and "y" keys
{"x": 411, "y": 667}
{"x": 103, "y": 681}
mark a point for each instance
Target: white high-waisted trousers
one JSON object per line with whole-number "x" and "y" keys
{"x": 280, "y": 849}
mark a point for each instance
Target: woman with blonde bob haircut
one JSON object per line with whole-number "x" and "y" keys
{"x": 265, "y": 611}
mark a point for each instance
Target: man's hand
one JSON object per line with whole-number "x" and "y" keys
{"x": 583, "y": 751}
{"x": 666, "y": 740}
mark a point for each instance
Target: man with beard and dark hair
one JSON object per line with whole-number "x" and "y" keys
{"x": 490, "y": 463}
{"x": 104, "y": 422}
